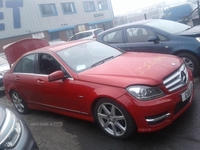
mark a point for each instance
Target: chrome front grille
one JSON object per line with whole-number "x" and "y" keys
{"x": 176, "y": 80}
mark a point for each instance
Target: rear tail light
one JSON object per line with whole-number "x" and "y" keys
{"x": 95, "y": 36}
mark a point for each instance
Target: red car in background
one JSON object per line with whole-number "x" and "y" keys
{"x": 121, "y": 91}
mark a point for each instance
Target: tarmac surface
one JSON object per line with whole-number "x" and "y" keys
{"x": 55, "y": 132}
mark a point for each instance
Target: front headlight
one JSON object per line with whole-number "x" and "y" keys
{"x": 145, "y": 92}
{"x": 10, "y": 131}
{"x": 198, "y": 39}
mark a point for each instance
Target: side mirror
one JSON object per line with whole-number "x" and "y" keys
{"x": 57, "y": 75}
{"x": 153, "y": 39}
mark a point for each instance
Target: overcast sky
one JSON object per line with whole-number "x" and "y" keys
{"x": 123, "y": 6}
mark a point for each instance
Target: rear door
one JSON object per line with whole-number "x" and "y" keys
{"x": 24, "y": 78}
{"x": 115, "y": 38}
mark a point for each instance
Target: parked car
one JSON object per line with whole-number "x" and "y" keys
{"x": 88, "y": 34}
{"x": 4, "y": 66}
{"x": 54, "y": 42}
{"x": 158, "y": 36}
{"x": 15, "y": 134}
{"x": 121, "y": 91}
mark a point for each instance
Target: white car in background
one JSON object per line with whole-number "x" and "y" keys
{"x": 4, "y": 66}
{"x": 88, "y": 34}
{"x": 56, "y": 42}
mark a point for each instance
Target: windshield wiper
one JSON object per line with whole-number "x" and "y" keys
{"x": 102, "y": 61}
{"x": 188, "y": 28}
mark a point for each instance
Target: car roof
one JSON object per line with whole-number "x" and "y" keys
{"x": 133, "y": 23}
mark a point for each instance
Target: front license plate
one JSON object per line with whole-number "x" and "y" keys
{"x": 185, "y": 95}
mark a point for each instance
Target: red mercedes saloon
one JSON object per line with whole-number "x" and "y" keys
{"x": 124, "y": 92}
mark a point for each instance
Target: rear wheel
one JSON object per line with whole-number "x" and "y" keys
{"x": 113, "y": 119}
{"x": 191, "y": 61}
{"x": 19, "y": 103}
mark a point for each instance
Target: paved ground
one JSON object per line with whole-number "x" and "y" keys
{"x": 56, "y": 132}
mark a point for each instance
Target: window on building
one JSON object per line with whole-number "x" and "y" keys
{"x": 54, "y": 36}
{"x": 69, "y": 33}
{"x": 89, "y": 6}
{"x": 68, "y": 8}
{"x": 93, "y": 26}
{"x": 48, "y": 9}
{"x": 102, "y": 5}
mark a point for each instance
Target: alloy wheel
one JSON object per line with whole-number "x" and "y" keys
{"x": 188, "y": 63}
{"x": 18, "y": 102}
{"x": 112, "y": 119}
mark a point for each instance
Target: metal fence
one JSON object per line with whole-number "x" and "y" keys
{"x": 156, "y": 12}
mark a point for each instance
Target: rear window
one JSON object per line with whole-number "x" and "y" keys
{"x": 98, "y": 31}
{"x": 86, "y": 34}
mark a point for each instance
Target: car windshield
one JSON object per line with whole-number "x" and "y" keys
{"x": 168, "y": 26}
{"x": 87, "y": 55}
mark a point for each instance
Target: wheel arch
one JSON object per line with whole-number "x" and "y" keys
{"x": 186, "y": 51}
{"x": 193, "y": 57}
{"x": 109, "y": 98}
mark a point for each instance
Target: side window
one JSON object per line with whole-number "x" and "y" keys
{"x": 102, "y": 5}
{"x": 161, "y": 37}
{"x": 113, "y": 37}
{"x": 48, "y": 10}
{"x": 26, "y": 64}
{"x": 138, "y": 34}
{"x": 68, "y": 8}
{"x": 79, "y": 36}
{"x": 48, "y": 64}
{"x": 88, "y": 6}
{"x": 86, "y": 34}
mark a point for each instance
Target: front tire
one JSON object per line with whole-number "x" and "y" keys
{"x": 191, "y": 62}
{"x": 19, "y": 104}
{"x": 114, "y": 119}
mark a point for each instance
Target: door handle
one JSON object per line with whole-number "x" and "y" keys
{"x": 17, "y": 78}
{"x": 40, "y": 81}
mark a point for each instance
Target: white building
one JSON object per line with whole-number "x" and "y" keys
{"x": 51, "y": 19}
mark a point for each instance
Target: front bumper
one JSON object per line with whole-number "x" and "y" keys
{"x": 156, "y": 114}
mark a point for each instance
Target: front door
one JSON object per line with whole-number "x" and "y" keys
{"x": 137, "y": 40}
{"x": 58, "y": 94}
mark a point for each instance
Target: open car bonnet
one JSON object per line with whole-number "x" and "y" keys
{"x": 194, "y": 31}
{"x": 16, "y": 49}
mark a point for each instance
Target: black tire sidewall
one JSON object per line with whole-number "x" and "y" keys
{"x": 131, "y": 127}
